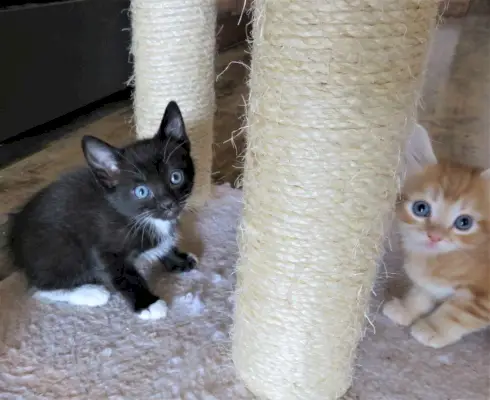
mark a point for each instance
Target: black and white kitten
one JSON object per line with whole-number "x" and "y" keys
{"x": 91, "y": 229}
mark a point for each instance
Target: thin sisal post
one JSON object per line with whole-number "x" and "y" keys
{"x": 173, "y": 48}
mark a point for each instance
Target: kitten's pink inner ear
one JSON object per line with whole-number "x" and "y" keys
{"x": 418, "y": 152}
{"x": 174, "y": 128}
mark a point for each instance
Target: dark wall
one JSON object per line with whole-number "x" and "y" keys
{"x": 58, "y": 57}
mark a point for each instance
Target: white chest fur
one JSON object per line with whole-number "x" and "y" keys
{"x": 163, "y": 233}
{"x": 418, "y": 271}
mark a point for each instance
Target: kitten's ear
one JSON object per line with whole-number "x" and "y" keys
{"x": 418, "y": 152}
{"x": 103, "y": 159}
{"x": 172, "y": 125}
{"x": 486, "y": 174}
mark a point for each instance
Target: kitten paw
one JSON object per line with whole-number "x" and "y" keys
{"x": 186, "y": 262}
{"x": 395, "y": 311}
{"x": 89, "y": 295}
{"x": 85, "y": 295}
{"x": 157, "y": 310}
{"x": 191, "y": 262}
{"x": 425, "y": 334}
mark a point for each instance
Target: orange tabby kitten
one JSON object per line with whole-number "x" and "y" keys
{"x": 444, "y": 220}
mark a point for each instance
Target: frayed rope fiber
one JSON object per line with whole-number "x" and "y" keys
{"x": 333, "y": 91}
{"x": 173, "y": 45}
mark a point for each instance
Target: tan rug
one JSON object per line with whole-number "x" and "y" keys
{"x": 55, "y": 351}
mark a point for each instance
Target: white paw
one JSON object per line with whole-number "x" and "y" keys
{"x": 89, "y": 295}
{"x": 85, "y": 295}
{"x": 193, "y": 257}
{"x": 395, "y": 311}
{"x": 424, "y": 333}
{"x": 156, "y": 311}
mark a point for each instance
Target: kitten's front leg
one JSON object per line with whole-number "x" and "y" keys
{"x": 458, "y": 316}
{"x": 404, "y": 311}
{"x": 128, "y": 281}
{"x": 178, "y": 261}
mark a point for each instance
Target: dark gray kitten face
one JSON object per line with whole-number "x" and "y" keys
{"x": 151, "y": 178}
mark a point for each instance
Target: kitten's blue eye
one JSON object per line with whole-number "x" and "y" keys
{"x": 142, "y": 192}
{"x": 463, "y": 222}
{"x": 176, "y": 177}
{"x": 421, "y": 209}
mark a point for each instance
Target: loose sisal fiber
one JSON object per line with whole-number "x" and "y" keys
{"x": 173, "y": 48}
{"x": 333, "y": 91}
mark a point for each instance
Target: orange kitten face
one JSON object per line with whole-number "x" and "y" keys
{"x": 443, "y": 207}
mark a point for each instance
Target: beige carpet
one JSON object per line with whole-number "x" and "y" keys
{"x": 55, "y": 351}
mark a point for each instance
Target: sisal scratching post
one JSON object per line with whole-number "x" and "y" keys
{"x": 333, "y": 92}
{"x": 173, "y": 47}
{"x": 458, "y": 130}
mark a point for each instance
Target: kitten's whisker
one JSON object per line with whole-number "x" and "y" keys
{"x": 135, "y": 173}
{"x": 184, "y": 199}
{"x": 128, "y": 234}
{"x": 165, "y": 148}
{"x": 153, "y": 233}
{"x": 142, "y": 231}
{"x": 136, "y": 224}
{"x": 141, "y": 174}
{"x": 172, "y": 152}
{"x": 133, "y": 224}
{"x": 146, "y": 224}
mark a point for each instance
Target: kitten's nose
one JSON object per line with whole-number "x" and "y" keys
{"x": 434, "y": 237}
{"x": 166, "y": 205}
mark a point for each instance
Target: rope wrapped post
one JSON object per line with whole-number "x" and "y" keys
{"x": 333, "y": 91}
{"x": 173, "y": 45}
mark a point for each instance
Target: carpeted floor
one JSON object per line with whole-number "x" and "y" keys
{"x": 57, "y": 351}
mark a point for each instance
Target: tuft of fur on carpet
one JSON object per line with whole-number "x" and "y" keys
{"x": 59, "y": 351}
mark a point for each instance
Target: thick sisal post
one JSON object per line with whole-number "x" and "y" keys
{"x": 173, "y": 47}
{"x": 333, "y": 92}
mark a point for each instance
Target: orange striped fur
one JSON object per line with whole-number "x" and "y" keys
{"x": 447, "y": 250}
